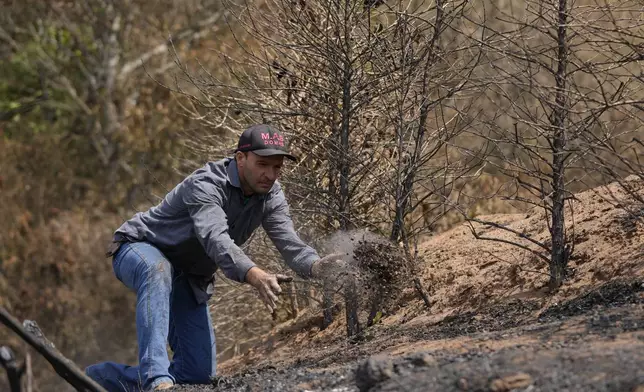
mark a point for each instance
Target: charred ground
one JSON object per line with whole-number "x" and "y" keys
{"x": 590, "y": 343}
{"x": 492, "y": 324}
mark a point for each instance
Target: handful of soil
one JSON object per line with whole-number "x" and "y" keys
{"x": 383, "y": 261}
{"x": 380, "y": 273}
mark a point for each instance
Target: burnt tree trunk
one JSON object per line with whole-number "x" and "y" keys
{"x": 14, "y": 369}
{"x": 559, "y": 256}
{"x": 344, "y": 169}
{"x": 405, "y": 189}
{"x": 295, "y": 306}
{"x": 352, "y": 307}
{"x": 350, "y": 294}
{"x": 327, "y": 305}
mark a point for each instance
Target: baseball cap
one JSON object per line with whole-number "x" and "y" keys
{"x": 265, "y": 141}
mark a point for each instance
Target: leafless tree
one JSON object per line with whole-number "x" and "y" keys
{"x": 357, "y": 87}
{"x": 433, "y": 63}
{"x": 618, "y": 158}
{"x": 558, "y": 76}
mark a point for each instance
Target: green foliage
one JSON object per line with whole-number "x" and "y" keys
{"x": 377, "y": 318}
{"x": 29, "y": 94}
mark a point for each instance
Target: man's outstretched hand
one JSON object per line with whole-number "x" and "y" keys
{"x": 267, "y": 285}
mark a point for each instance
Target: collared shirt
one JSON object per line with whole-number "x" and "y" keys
{"x": 201, "y": 224}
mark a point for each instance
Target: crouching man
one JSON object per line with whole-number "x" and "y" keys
{"x": 169, "y": 254}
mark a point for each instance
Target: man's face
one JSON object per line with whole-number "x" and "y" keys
{"x": 256, "y": 173}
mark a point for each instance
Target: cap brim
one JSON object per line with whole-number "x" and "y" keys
{"x": 269, "y": 152}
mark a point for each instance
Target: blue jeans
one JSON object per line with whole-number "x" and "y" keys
{"x": 166, "y": 311}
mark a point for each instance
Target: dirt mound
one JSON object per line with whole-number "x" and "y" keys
{"x": 463, "y": 273}
{"x": 611, "y": 294}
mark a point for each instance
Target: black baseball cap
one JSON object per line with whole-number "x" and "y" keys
{"x": 265, "y": 141}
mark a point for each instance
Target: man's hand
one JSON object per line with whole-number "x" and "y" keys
{"x": 331, "y": 268}
{"x": 267, "y": 285}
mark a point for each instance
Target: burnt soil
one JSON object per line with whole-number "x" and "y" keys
{"x": 592, "y": 342}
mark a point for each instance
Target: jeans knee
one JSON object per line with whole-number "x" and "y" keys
{"x": 161, "y": 273}
{"x": 88, "y": 371}
{"x": 93, "y": 372}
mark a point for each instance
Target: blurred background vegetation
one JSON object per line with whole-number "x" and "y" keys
{"x": 106, "y": 104}
{"x": 88, "y": 135}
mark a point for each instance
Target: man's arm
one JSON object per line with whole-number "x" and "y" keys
{"x": 204, "y": 201}
{"x": 278, "y": 225}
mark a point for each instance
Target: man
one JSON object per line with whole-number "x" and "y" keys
{"x": 169, "y": 254}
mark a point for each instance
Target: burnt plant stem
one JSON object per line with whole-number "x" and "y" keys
{"x": 12, "y": 367}
{"x": 375, "y": 308}
{"x": 418, "y": 285}
{"x": 327, "y": 305}
{"x": 352, "y": 303}
{"x": 344, "y": 202}
{"x": 63, "y": 366}
{"x": 295, "y": 307}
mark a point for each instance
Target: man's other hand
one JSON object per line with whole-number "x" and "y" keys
{"x": 267, "y": 285}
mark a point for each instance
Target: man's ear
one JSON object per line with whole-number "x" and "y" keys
{"x": 240, "y": 156}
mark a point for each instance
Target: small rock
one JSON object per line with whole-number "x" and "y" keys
{"x": 372, "y": 371}
{"x": 304, "y": 386}
{"x": 423, "y": 360}
{"x": 639, "y": 388}
{"x": 505, "y": 384}
{"x": 462, "y": 384}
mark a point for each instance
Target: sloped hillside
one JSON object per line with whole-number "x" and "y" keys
{"x": 492, "y": 326}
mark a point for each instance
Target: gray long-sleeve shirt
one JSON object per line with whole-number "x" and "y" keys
{"x": 201, "y": 223}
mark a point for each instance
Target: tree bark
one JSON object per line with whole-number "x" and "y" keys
{"x": 559, "y": 255}
{"x": 352, "y": 304}
{"x": 327, "y": 305}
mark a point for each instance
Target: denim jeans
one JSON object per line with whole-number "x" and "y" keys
{"x": 166, "y": 311}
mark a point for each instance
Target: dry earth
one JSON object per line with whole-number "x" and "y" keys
{"x": 492, "y": 325}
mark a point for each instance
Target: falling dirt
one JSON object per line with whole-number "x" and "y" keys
{"x": 380, "y": 278}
